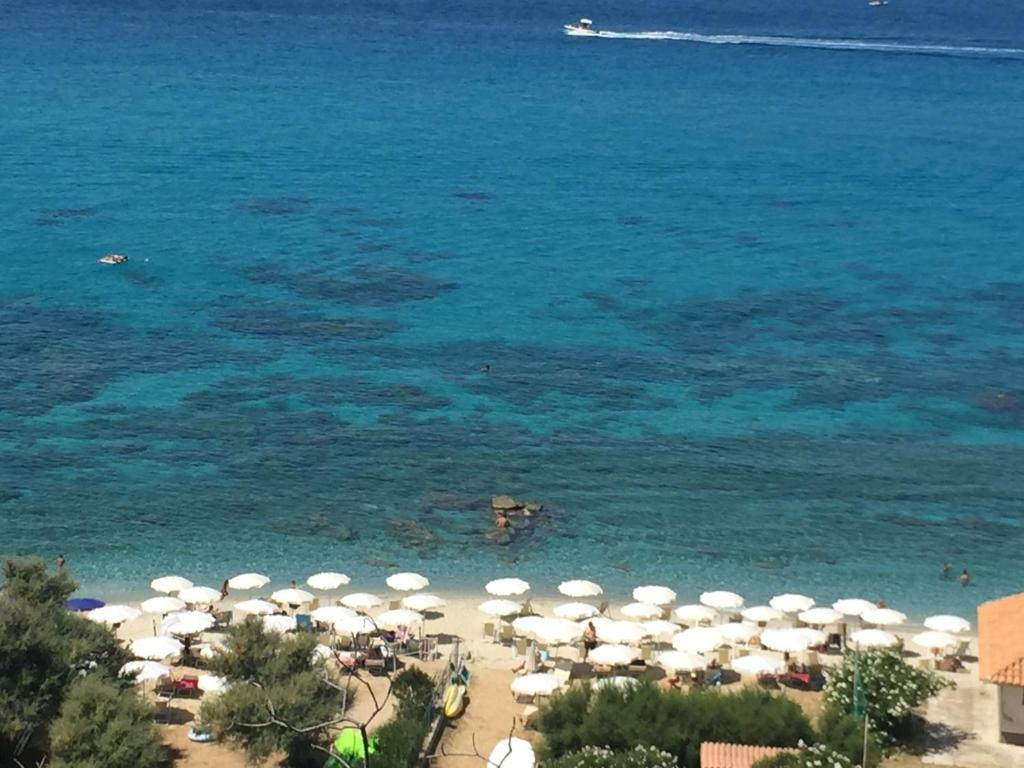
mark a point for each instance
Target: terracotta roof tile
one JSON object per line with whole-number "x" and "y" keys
{"x": 715, "y": 754}
{"x": 1001, "y": 640}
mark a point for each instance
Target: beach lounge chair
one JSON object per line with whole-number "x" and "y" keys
{"x": 527, "y": 609}
{"x": 223, "y": 620}
{"x": 962, "y": 648}
{"x": 714, "y": 678}
{"x": 528, "y": 717}
{"x": 394, "y": 605}
{"x": 508, "y": 634}
{"x": 767, "y": 680}
{"x": 602, "y": 608}
{"x": 187, "y": 687}
{"x": 489, "y": 630}
{"x": 304, "y": 622}
{"x": 520, "y": 644}
{"x": 563, "y": 675}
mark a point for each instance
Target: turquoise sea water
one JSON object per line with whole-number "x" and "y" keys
{"x": 750, "y": 295}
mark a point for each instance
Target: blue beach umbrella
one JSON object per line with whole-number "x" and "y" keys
{"x": 83, "y": 604}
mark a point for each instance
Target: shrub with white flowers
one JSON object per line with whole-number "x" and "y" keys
{"x": 892, "y": 688}
{"x": 818, "y": 756}
{"x": 600, "y": 757}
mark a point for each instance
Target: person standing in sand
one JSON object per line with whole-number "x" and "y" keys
{"x": 224, "y": 589}
{"x": 589, "y": 639}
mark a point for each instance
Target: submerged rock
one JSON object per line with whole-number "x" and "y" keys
{"x": 504, "y": 503}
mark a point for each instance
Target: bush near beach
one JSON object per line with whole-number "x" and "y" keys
{"x": 61, "y": 699}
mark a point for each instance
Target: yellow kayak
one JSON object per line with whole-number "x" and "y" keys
{"x": 454, "y": 700}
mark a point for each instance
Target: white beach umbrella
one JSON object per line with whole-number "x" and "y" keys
{"x": 853, "y": 606}
{"x": 933, "y": 640}
{"x": 654, "y": 594}
{"x": 738, "y": 632}
{"x": 621, "y": 632}
{"x": 580, "y": 588}
{"x": 757, "y": 664}
{"x": 200, "y": 595}
{"x": 556, "y": 631}
{"x": 820, "y": 616}
{"x": 791, "y": 603}
{"x": 423, "y": 602}
{"x": 257, "y": 607}
{"x": 788, "y": 640}
{"x": 145, "y": 671}
{"x": 873, "y": 638}
{"x": 575, "y": 611}
{"x": 641, "y": 611}
{"x": 659, "y": 629}
{"x": 322, "y": 652}
{"x": 356, "y": 625}
{"x": 399, "y": 617}
{"x": 612, "y": 655}
{"x": 883, "y": 617}
{"x": 506, "y": 587}
{"x": 500, "y": 607}
{"x": 512, "y": 753}
{"x": 156, "y": 648}
{"x": 694, "y": 614}
{"x": 681, "y": 661}
{"x": 186, "y": 623}
{"x": 407, "y": 582}
{"x": 722, "y": 600}
{"x": 537, "y": 684}
{"x": 327, "y": 581}
{"x": 525, "y": 625}
{"x": 162, "y": 605}
{"x": 292, "y": 596}
{"x": 246, "y": 581}
{"x": 113, "y": 615}
{"x": 279, "y": 623}
{"x": 761, "y": 614}
{"x": 212, "y": 684}
{"x": 332, "y": 614}
{"x": 362, "y": 601}
{"x": 697, "y": 640}
{"x": 946, "y": 623}
{"x": 168, "y": 584}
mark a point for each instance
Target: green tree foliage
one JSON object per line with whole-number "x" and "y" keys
{"x": 892, "y": 689}
{"x": 677, "y": 723}
{"x": 267, "y": 670}
{"x": 817, "y": 756}
{"x": 400, "y": 739}
{"x": 43, "y": 650}
{"x": 102, "y": 724}
{"x": 599, "y": 757}
{"x": 844, "y": 733}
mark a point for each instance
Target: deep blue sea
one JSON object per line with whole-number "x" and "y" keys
{"x": 749, "y": 289}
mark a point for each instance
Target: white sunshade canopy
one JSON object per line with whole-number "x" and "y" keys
{"x": 332, "y": 614}
{"x": 694, "y": 614}
{"x": 738, "y": 632}
{"x": 246, "y": 581}
{"x": 500, "y": 607}
{"x": 407, "y": 582}
{"x": 399, "y": 617}
{"x": 580, "y": 588}
{"x": 883, "y": 617}
{"x": 145, "y": 671}
{"x": 325, "y": 581}
{"x": 186, "y": 623}
{"x": 525, "y": 625}
{"x": 791, "y": 603}
{"x": 820, "y": 616}
{"x": 423, "y": 602}
{"x": 212, "y": 683}
{"x": 853, "y": 606}
{"x": 660, "y": 629}
{"x": 641, "y": 611}
{"x": 292, "y": 596}
{"x": 557, "y": 631}
{"x": 613, "y": 655}
{"x": 279, "y": 623}
{"x": 946, "y": 623}
{"x": 873, "y": 638}
{"x": 168, "y": 584}
{"x": 200, "y": 595}
{"x": 697, "y": 640}
{"x": 512, "y": 753}
{"x": 156, "y": 648}
{"x": 761, "y": 614}
{"x": 681, "y": 661}
{"x": 791, "y": 640}
{"x": 757, "y": 664}
{"x": 506, "y": 587}
{"x": 933, "y": 640}
{"x": 722, "y": 600}
{"x": 356, "y": 625}
{"x": 362, "y": 601}
{"x": 656, "y": 595}
{"x": 113, "y": 615}
{"x": 257, "y": 607}
{"x": 538, "y": 684}
{"x": 162, "y": 605}
{"x": 620, "y": 632}
{"x": 575, "y": 611}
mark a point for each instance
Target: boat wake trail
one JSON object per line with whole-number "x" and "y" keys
{"x": 835, "y": 44}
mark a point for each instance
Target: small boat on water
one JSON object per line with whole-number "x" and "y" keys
{"x": 878, "y": 2}
{"x": 584, "y": 28}
{"x": 113, "y": 258}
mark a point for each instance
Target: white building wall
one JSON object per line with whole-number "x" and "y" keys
{"x": 1011, "y": 713}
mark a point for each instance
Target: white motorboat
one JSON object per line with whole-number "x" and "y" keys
{"x": 584, "y": 28}
{"x": 113, "y": 258}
